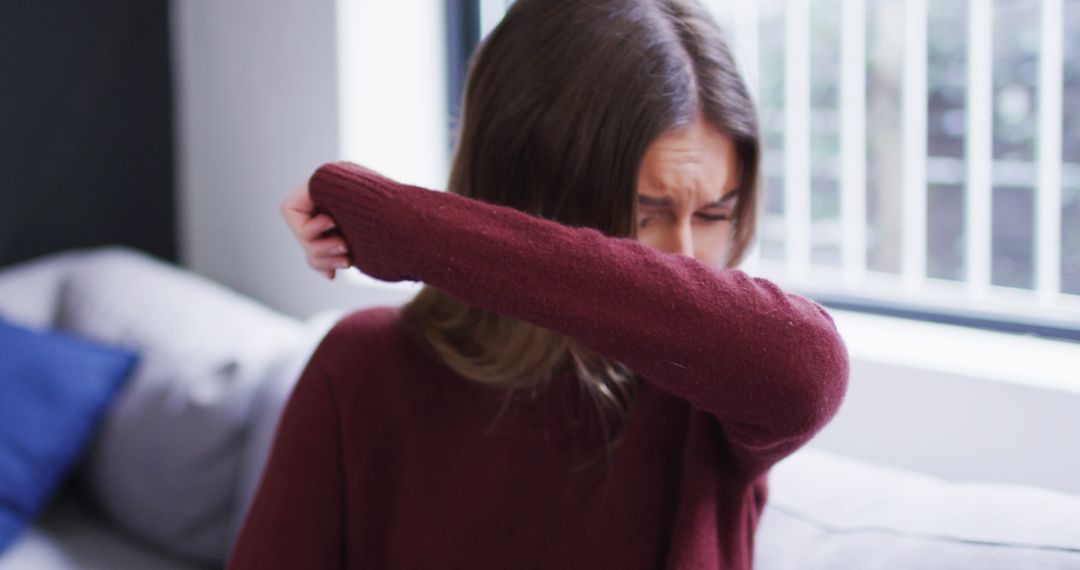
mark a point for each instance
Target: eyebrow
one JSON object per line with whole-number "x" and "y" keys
{"x": 667, "y": 201}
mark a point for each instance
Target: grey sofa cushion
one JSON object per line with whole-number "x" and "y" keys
{"x": 269, "y": 403}
{"x": 827, "y": 512}
{"x": 168, "y": 459}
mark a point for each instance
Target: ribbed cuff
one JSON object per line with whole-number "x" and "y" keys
{"x": 360, "y": 200}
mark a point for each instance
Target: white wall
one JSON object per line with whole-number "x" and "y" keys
{"x": 257, "y": 112}
{"x": 958, "y": 428}
{"x": 960, "y": 404}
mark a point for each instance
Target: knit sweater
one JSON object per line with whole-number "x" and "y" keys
{"x": 386, "y": 458}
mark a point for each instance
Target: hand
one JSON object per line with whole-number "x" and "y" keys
{"x": 325, "y": 249}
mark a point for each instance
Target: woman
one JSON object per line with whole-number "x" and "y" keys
{"x": 585, "y": 381}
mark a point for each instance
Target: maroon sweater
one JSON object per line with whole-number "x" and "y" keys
{"x": 385, "y": 458}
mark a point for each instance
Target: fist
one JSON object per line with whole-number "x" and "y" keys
{"x": 318, "y": 235}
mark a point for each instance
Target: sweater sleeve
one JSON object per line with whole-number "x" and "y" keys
{"x": 768, "y": 365}
{"x": 296, "y": 519}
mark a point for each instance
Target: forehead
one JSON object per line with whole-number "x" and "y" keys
{"x": 697, "y": 163}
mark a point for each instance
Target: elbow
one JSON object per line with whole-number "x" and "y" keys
{"x": 814, "y": 378}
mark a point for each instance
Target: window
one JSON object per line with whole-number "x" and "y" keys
{"x": 921, "y": 158}
{"x": 393, "y": 109}
{"x": 940, "y": 184}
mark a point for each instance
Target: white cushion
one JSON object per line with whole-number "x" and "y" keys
{"x": 29, "y": 291}
{"x": 827, "y": 512}
{"x": 168, "y": 458}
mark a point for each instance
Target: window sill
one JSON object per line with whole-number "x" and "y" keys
{"x": 987, "y": 355}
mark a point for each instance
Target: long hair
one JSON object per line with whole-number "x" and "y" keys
{"x": 561, "y": 101}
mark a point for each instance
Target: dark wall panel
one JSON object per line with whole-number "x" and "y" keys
{"x": 86, "y": 144}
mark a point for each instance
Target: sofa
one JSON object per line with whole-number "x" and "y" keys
{"x": 175, "y": 462}
{"x": 178, "y": 455}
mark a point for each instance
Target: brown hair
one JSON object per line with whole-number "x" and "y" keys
{"x": 561, "y": 102}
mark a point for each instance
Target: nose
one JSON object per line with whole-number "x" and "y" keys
{"x": 682, "y": 239}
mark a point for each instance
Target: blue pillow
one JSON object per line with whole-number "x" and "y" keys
{"x": 54, "y": 390}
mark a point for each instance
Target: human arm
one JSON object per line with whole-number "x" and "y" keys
{"x": 296, "y": 518}
{"x": 770, "y": 366}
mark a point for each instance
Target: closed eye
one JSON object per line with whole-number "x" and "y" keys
{"x": 714, "y": 217}
{"x": 643, "y": 222}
